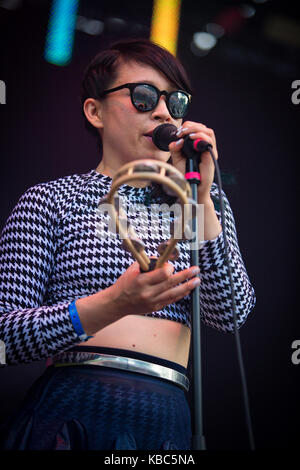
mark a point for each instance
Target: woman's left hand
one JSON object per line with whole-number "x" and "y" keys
{"x": 195, "y": 131}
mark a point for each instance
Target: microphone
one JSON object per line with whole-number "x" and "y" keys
{"x": 164, "y": 134}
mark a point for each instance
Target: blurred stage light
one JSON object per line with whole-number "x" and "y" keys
{"x": 165, "y": 23}
{"x": 89, "y": 26}
{"x": 204, "y": 41}
{"x": 283, "y": 30}
{"x": 115, "y": 25}
{"x": 247, "y": 11}
{"x": 231, "y": 19}
{"x": 215, "y": 29}
{"x": 11, "y": 4}
{"x": 61, "y": 30}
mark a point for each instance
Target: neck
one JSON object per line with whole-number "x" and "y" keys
{"x": 109, "y": 170}
{"x": 105, "y": 169}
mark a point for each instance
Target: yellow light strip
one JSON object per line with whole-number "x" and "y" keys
{"x": 165, "y": 23}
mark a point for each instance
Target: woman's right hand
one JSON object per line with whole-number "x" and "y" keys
{"x": 139, "y": 293}
{"x": 135, "y": 293}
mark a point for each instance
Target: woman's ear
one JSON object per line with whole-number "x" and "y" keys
{"x": 92, "y": 111}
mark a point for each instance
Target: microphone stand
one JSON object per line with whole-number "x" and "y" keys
{"x": 193, "y": 177}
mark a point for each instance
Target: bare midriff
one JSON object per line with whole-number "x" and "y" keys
{"x": 158, "y": 337}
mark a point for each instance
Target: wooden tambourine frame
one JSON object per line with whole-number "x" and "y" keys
{"x": 174, "y": 184}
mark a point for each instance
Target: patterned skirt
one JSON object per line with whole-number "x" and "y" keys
{"x": 85, "y": 407}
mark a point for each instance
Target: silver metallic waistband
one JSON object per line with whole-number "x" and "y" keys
{"x": 124, "y": 363}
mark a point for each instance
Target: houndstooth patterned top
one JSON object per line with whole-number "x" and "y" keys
{"x": 52, "y": 252}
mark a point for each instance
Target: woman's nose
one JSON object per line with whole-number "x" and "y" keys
{"x": 161, "y": 110}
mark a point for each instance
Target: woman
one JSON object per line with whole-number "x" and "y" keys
{"x": 71, "y": 296}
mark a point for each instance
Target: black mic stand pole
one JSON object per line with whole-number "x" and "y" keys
{"x": 192, "y": 165}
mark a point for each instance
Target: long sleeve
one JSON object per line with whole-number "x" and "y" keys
{"x": 215, "y": 290}
{"x": 51, "y": 254}
{"x": 31, "y": 330}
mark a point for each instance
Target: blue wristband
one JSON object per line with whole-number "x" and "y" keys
{"x": 77, "y": 323}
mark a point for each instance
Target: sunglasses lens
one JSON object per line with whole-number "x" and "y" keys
{"x": 178, "y": 104}
{"x": 144, "y": 97}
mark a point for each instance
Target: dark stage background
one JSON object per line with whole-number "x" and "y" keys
{"x": 243, "y": 90}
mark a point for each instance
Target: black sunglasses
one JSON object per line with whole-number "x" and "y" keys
{"x": 145, "y": 97}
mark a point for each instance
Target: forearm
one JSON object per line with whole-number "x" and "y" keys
{"x": 215, "y": 288}
{"x": 215, "y": 293}
{"x": 97, "y": 311}
{"x": 212, "y": 226}
{"x": 33, "y": 334}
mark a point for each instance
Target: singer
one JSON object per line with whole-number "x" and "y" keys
{"x": 82, "y": 303}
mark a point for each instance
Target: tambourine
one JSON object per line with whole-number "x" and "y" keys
{"x": 173, "y": 184}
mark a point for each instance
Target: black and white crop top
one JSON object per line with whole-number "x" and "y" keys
{"x": 54, "y": 248}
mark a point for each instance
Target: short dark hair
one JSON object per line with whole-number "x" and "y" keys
{"x": 103, "y": 69}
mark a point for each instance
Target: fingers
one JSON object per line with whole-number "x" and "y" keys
{"x": 175, "y": 279}
{"x": 166, "y": 288}
{"x": 162, "y": 279}
{"x": 189, "y": 127}
{"x": 194, "y": 130}
{"x": 138, "y": 292}
{"x": 177, "y": 293}
{"x": 158, "y": 275}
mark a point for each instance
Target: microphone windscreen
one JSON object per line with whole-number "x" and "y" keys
{"x": 163, "y": 135}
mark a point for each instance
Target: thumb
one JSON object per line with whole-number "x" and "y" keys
{"x": 176, "y": 147}
{"x": 134, "y": 267}
{"x": 176, "y": 154}
{"x": 169, "y": 268}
